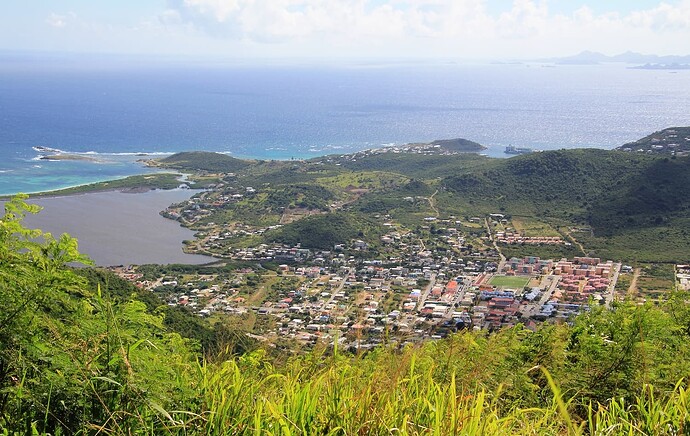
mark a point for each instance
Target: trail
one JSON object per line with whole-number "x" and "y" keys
{"x": 432, "y": 203}
{"x": 632, "y": 289}
{"x": 579, "y": 245}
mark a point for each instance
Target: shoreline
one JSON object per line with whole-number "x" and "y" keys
{"x": 145, "y": 161}
{"x": 130, "y": 184}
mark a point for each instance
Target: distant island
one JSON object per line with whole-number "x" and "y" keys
{"x": 674, "y": 66}
{"x": 673, "y": 141}
{"x": 595, "y": 58}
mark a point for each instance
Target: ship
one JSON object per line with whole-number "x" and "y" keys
{"x": 511, "y": 149}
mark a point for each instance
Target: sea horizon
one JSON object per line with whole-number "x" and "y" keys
{"x": 284, "y": 112}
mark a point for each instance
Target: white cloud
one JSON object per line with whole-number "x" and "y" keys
{"x": 60, "y": 21}
{"x": 434, "y": 26}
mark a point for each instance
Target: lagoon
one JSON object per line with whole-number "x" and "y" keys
{"x": 115, "y": 228}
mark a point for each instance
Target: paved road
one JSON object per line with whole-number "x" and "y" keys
{"x": 533, "y": 308}
{"x": 340, "y": 287}
{"x": 425, "y": 294}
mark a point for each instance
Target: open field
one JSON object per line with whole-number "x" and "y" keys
{"x": 509, "y": 281}
{"x": 533, "y": 228}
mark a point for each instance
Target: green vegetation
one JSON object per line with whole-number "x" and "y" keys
{"x": 84, "y": 353}
{"x": 668, "y": 141}
{"x": 204, "y": 161}
{"x": 325, "y": 231}
{"x": 459, "y": 145}
{"x": 419, "y": 166}
{"x": 542, "y": 251}
{"x": 636, "y": 204}
{"x": 513, "y": 282}
{"x": 530, "y": 227}
{"x": 633, "y": 203}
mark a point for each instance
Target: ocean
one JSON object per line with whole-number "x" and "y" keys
{"x": 116, "y": 113}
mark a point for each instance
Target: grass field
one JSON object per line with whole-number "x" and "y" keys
{"x": 509, "y": 282}
{"x": 531, "y": 227}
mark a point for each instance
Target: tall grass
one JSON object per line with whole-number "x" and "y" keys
{"x": 346, "y": 396}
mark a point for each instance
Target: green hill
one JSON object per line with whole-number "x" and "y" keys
{"x": 204, "y": 161}
{"x": 621, "y": 195}
{"x": 325, "y": 231}
{"x": 459, "y": 145}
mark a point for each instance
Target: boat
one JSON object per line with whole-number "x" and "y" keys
{"x": 511, "y": 149}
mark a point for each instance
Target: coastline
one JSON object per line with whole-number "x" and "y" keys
{"x": 128, "y": 184}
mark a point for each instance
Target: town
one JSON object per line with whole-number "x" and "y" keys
{"x": 416, "y": 285}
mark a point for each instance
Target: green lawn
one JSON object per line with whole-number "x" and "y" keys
{"x": 509, "y": 282}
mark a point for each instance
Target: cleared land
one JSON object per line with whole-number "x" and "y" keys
{"x": 533, "y": 228}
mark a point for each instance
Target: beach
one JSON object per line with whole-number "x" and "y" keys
{"x": 116, "y": 228}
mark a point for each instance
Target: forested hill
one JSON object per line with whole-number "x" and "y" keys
{"x": 638, "y": 197}
{"x": 203, "y": 161}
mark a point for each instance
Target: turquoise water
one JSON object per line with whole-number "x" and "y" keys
{"x": 279, "y": 112}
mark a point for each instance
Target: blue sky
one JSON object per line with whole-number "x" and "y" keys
{"x": 348, "y": 28}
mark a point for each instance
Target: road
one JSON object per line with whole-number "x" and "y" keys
{"x": 535, "y": 307}
{"x": 425, "y": 294}
{"x": 502, "y": 262}
{"x": 340, "y": 286}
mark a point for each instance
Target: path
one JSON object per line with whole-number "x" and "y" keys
{"x": 579, "y": 245}
{"x": 632, "y": 289}
{"x": 432, "y": 203}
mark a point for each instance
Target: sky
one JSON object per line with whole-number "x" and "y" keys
{"x": 380, "y": 29}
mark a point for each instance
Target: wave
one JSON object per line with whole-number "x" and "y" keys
{"x": 50, "y": 150}
{"x": 43, "y": 149}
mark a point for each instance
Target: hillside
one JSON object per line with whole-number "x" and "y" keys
{"x": 203, "y": 161}
{"x": 325, "y": 231}
{"x": 624, "y": 205}
{"x": 671, "y": 141}
{"x": 630, "y": 200}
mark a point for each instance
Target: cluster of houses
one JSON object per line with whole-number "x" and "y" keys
{"x": 512, "y": 238}
{"x": 528, "y": 265}
{"x": 583, "y": 278}
{"x": 361, "y": 303}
